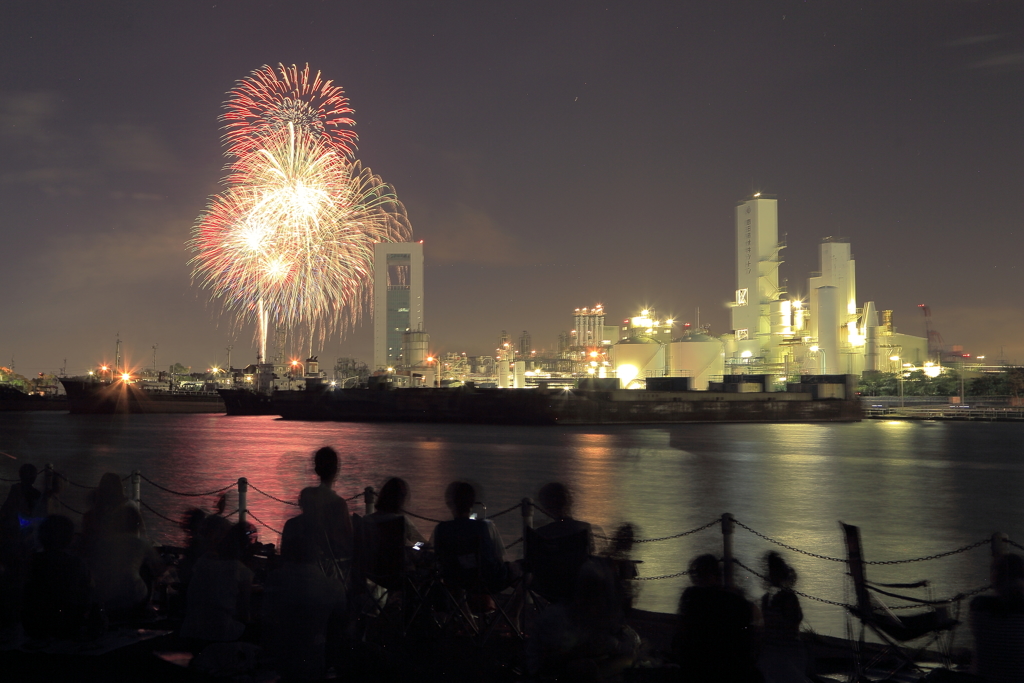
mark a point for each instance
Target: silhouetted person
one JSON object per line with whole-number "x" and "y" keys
{"x": 22, "y": 499}
{"x": 997, "y": 622}
{"x": 715, "y": 638}
{"x": 390, "y": 505}
{"x": 299, "y": 604}
{"x": 783, "y": 658}
{"x": 108, "y": 499}
{"x": 466, "y": 548}
{"x": 217, "y": 603}
{"x": 326, "y": 519}
{"x": 621, "y": 565}
{"x": 556, "y": 500}
{"x": 585, "y": 638}
{"x": 59, "y": 590}
{"x": 124, "y": 564}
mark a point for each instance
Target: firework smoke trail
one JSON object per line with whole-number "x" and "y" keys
{"x": 290, "y": 240}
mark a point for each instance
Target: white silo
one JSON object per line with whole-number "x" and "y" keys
{"x": 698, "y": 357}
{"x": 828, "y": 329}
{"x": 638, "y": 360}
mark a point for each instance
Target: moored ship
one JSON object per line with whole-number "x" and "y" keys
{"x": 88, "y": 396}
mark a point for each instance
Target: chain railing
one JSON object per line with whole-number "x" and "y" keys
{"x": 527, "y": 507}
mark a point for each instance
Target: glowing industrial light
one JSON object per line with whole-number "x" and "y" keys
{"x": 757, "y": 194}
{"x": 894, "y": 358}
{"x": 333, "y": 383}
{"x": 814, "y": 348}
{"x": 746, "y": 354}
{"x": 391, "y": 369}
{"x": 627, "y": 373}
{"x": 593, "y": 354}
{"x": 125, "y": 377}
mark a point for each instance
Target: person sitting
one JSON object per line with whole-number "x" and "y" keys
{"x": 389, "y": 512}
{"x": 124, "y": 564}
{"x": 714, "y": 638}
{"x": 997, "y": 622}
{"x": 391, "y": 505}
{"x": 217, "y": 602}
{"x": 108, "y": 499}
{"x": 585, "y": 638}
{"x": 469, "y": 550}
{"x": 300, "y": 603}
{"x": 783, "y": 658}
{"x": 59, "y": 590}
{"x": 556, "y": 500}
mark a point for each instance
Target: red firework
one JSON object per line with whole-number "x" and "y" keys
{"x": 267, "y": 101}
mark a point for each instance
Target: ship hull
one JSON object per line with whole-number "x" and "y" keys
{"x": 246, "y": 402}
{"x": 580, "y": 407}
{"x": 85, "y": 397}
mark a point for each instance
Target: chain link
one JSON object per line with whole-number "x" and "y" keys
{"x": 786, "y": 546}
{"x": 659, "y": 578}
{"x": 506, "y": 511}
{"x": 351, "y": 498}
{"x": 800, "y": 593}
{"x": 75, "y": 483}
{"x": 1015, "y": 544}
{"x": 172, "y": 521}
{"x": 249, "y": 512}
{"x": 972, "y": 546}
{"x": 181, "y": 493}
{"x": 425, "y": 519}
{"x": 271, "y": 496}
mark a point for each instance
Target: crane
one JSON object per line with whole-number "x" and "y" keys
{"x": 934, "y": 338}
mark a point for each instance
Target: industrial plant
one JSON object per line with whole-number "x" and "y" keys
{"x": 774, "y": 335}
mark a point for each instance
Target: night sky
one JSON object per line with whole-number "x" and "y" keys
{"x": 552, "y": 155}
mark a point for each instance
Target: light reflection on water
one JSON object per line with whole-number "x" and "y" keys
{"x": 914, "y": 488}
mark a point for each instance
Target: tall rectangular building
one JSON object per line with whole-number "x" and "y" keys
{"x": 397, "y": 298}
{"x": 757, "y": 273}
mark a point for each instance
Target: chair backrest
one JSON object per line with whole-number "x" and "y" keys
{"x": 385, "y": 546}
{"x": 555, "y": 562}
{"x": 460, "y": 546}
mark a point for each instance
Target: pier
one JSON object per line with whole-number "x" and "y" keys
{"x": 253, "y": 496}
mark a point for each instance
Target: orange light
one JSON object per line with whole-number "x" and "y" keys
{"x": 125, "y": 377}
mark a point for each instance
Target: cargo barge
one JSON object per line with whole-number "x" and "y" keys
{"x": 732, "y": 402}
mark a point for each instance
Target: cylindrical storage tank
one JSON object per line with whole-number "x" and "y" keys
{"x": 828, "y": 329}
{"x": 700, "y": 357}
{"x": 638, "y": 361}
{"x": 414, "y": 348}
{"x": 502, "y": 374}
{"x": 872, "y": 362}
{"x": 782, "y": 318}
{"x": 519, "y": 375}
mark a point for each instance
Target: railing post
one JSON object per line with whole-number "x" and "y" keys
{"x": 137, "y": 487}
{"x": 243, "y": 499}
{"x": 47, "y": 480}
{"x": 369, "y": 498}
{"x": 999, "y": 540}
{"x": 527, "y": 512}
{"x": 727, "y": 528}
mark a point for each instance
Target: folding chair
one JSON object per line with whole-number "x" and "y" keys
{"x": 933, "y": 627}
{"x": 554, "y": 563}
{"x": 383, "y": 583}
{"x": 465, "y": 591}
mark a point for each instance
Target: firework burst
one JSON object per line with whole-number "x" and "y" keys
{"x": 268, "y": 100}
{"x": 289, "y": 242}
